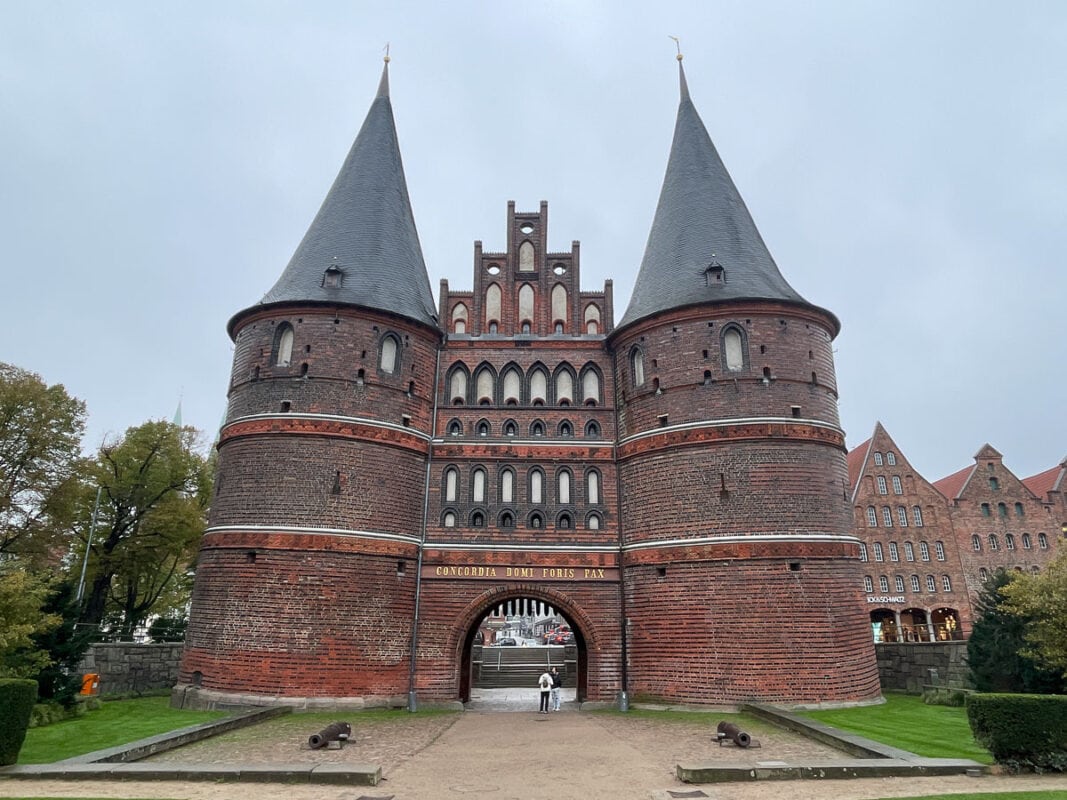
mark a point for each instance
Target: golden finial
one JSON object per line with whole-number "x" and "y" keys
{"x": 678, "y": 44}
{"x": 387, "y": 52}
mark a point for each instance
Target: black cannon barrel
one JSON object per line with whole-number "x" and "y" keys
{"x": 734, "y": 734}
{"x": 331, "y": 733}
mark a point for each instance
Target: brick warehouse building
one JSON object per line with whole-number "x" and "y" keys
{"x": 390, "y": 472}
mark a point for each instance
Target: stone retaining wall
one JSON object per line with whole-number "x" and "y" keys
{"x": 131, "y": 667}
{"x": 906, "y": 666}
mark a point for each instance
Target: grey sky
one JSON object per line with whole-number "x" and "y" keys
{"x": 905, "y": 162}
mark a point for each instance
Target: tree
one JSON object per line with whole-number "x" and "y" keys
{"x": 41, "y": 428}
{"x": 996, "y": 651}
{"x": 65, "y": 644}
{"x": 22, "y": 598}
{"x": 1042, "y": 598}
{"x": 155, "y": 488}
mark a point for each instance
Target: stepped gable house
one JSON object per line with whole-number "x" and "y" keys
{"x": 390, "y": 472}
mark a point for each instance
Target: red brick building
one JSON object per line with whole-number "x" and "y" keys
{"x": 928, "y": 548}
{"x": 391, "y": 472}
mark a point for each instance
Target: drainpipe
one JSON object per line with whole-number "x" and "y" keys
{"x": 412, "y": 701}
{"x": 624, "y": 698}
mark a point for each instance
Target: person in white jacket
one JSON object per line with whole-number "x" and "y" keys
{"x": 544, "y": 683}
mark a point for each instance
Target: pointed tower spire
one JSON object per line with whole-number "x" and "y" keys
{"x": 362, "y": 248}
{"x": 703, "y": 246}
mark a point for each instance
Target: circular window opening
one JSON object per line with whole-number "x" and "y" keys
{"x": 559, "y": 269}
{"x": 526, "y": 228}
{"x": 494, "y": 269}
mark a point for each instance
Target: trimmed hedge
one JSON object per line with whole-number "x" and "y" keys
{"x": 16, "y": 704}
{"x": 1022, "y": 731}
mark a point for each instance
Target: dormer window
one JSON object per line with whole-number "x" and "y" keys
{"x": 714, "y": 274}
{"x": 331, "y": 278}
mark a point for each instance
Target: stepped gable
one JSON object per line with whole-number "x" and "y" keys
{"x": 364, "y": 234}
{"x": 704, "y": 246}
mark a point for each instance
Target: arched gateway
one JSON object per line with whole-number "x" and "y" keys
{"x": 671, "y": 485}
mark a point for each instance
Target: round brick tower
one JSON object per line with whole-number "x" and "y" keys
{"x": 305, "y": 584}
{"x": 741, "y": 577}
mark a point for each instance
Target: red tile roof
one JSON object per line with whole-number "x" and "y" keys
{"x": 951, "y": 485}
{"x": 1042, "y": 483}
{"x": 856, "y": 457}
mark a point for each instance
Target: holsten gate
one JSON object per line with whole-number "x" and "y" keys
{"x": 674, "y": 484}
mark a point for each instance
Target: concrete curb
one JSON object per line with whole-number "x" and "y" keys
{"x": 349, "y": 774}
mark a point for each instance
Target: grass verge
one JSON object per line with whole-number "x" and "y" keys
{"x": 114, "y": 723}
{"x": 906, "y": 722}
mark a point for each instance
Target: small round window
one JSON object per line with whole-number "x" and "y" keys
{"x": 526, "y": 228}
{"x": 559, "y": 269}
{"x": 494, "y": 269}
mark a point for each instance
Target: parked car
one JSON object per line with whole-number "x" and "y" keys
{"x": 506, "y": 643}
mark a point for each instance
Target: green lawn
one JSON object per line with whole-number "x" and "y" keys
{"x": 906, "y": 722}
{"x": 115, "y": 722}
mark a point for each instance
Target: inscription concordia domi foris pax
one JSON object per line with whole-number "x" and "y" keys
{"x": 521, "y": 573}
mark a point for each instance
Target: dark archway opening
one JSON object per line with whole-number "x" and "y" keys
{"x": 514, "y": 639}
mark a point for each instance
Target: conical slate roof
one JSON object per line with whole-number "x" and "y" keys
{"x": 365, "y": 229}
{"x": 702, "y": 225}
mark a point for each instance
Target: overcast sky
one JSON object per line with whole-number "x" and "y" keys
{"x": 906, "y": 164}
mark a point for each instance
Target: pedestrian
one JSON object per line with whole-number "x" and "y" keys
{"x": 557, "y": 682}
{"x": 544, "y": 683}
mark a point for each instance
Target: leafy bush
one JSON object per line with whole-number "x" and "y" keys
{"x": 942, "y": 696}
{"x": 16, "y": 703}
{"x": 1022, "y": 731}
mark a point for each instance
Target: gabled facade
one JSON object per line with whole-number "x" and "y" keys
{"x": 391, "y": 473}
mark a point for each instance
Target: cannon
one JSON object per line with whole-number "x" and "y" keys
{"x": 729, "y": 731}
{"x": 334, "y": 732}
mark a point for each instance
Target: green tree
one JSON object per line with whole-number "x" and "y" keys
{"x": 996, "y": 651}
{"x": 65, "y": 644}
{"x": 155, "y": 488}
{"x": 41, "y": 429}
{"x": 1042, "y": 599}
{"x": 22, "y": 599}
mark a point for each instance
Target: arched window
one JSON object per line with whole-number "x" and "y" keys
{"x": 946, "y": 583}
{"x": 902, "y": 516}
{"x": 931, "y": 584}
{"x": 891, "y": 458}
{"x": 507, "y": 485}
{"x": 559, "y": 307}
{"x": 483, "y": 386}
{"x": 1042, "y": 541}
{"x": 537, "y": 429}
{"x": 917, "y": 516}
{"x": 592, "y": 487}
{"x": 492, "y": 306}
{"x": 592, "y": 429}
{"x": 637, "y": 366}
{"x": 525, "y": 327}
{"x": 994, "y": 542}
{"x": 868, "y": 584}
{"x": 389, "y": 350}
{"x": 537, "y": 486}
{"x": 863, "y": 552}
{"x": 538, "y": 387}
{"x": 537, "y": 520}
{"x": 883, "y": 583}
{"x": 909, "y": 551}
{"x": 877, "y": 459}
{"x": 459, "y": 318}
{"x": 566, "y": 430}
{"x": 985, "y": 510}
{"x": 593, "y": 523}
{"x": 455, "y": 427}
{"x": 1019, "y": 511}
{"x": 1002, "y": 510}
{"x": 877, "y": 548}
{"x": 983, "y": 574}
{"x": 1027, "y": 544}
{"x": 477, "y": 520}
{"x": 881, "y": 485}
{"x": 283, "y": 345}
{"x": 939, "y": 550}
{"x": 482, "y": 428}
{"x": 510, "y": 428}
{"x": 915, "y": 587}
{"x": 449, "y": 520}
{"x": 898, "y": 488}
{"x": 564, "y": 522}
{"x": 507, "y": 520}
{"x": 1009, "y": 541}
{"x": 924, "y": 551}
{"x": 887, "y": 517}
{"x": 898, "y": 583}
{"x": 526, "y": 302}
{"x": 526, "y": 257}
{"x": 592, "y": 319}
{"x": 512, "y": 386}
{"x": 733, "y": 348}
{"x": 976, "y": 543}
{"x": 872, "y": 517}
{"x": 564, "y": 387}
{"x": 563, "y": 488}
{"x": 994, "y": 483}
{"x": 894, "y": 553}
{"x": 457, "y": 386}
{"x": 478, "y": 485}
{"x": 451, "y": 484}
{"x": 590, "y": 387}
